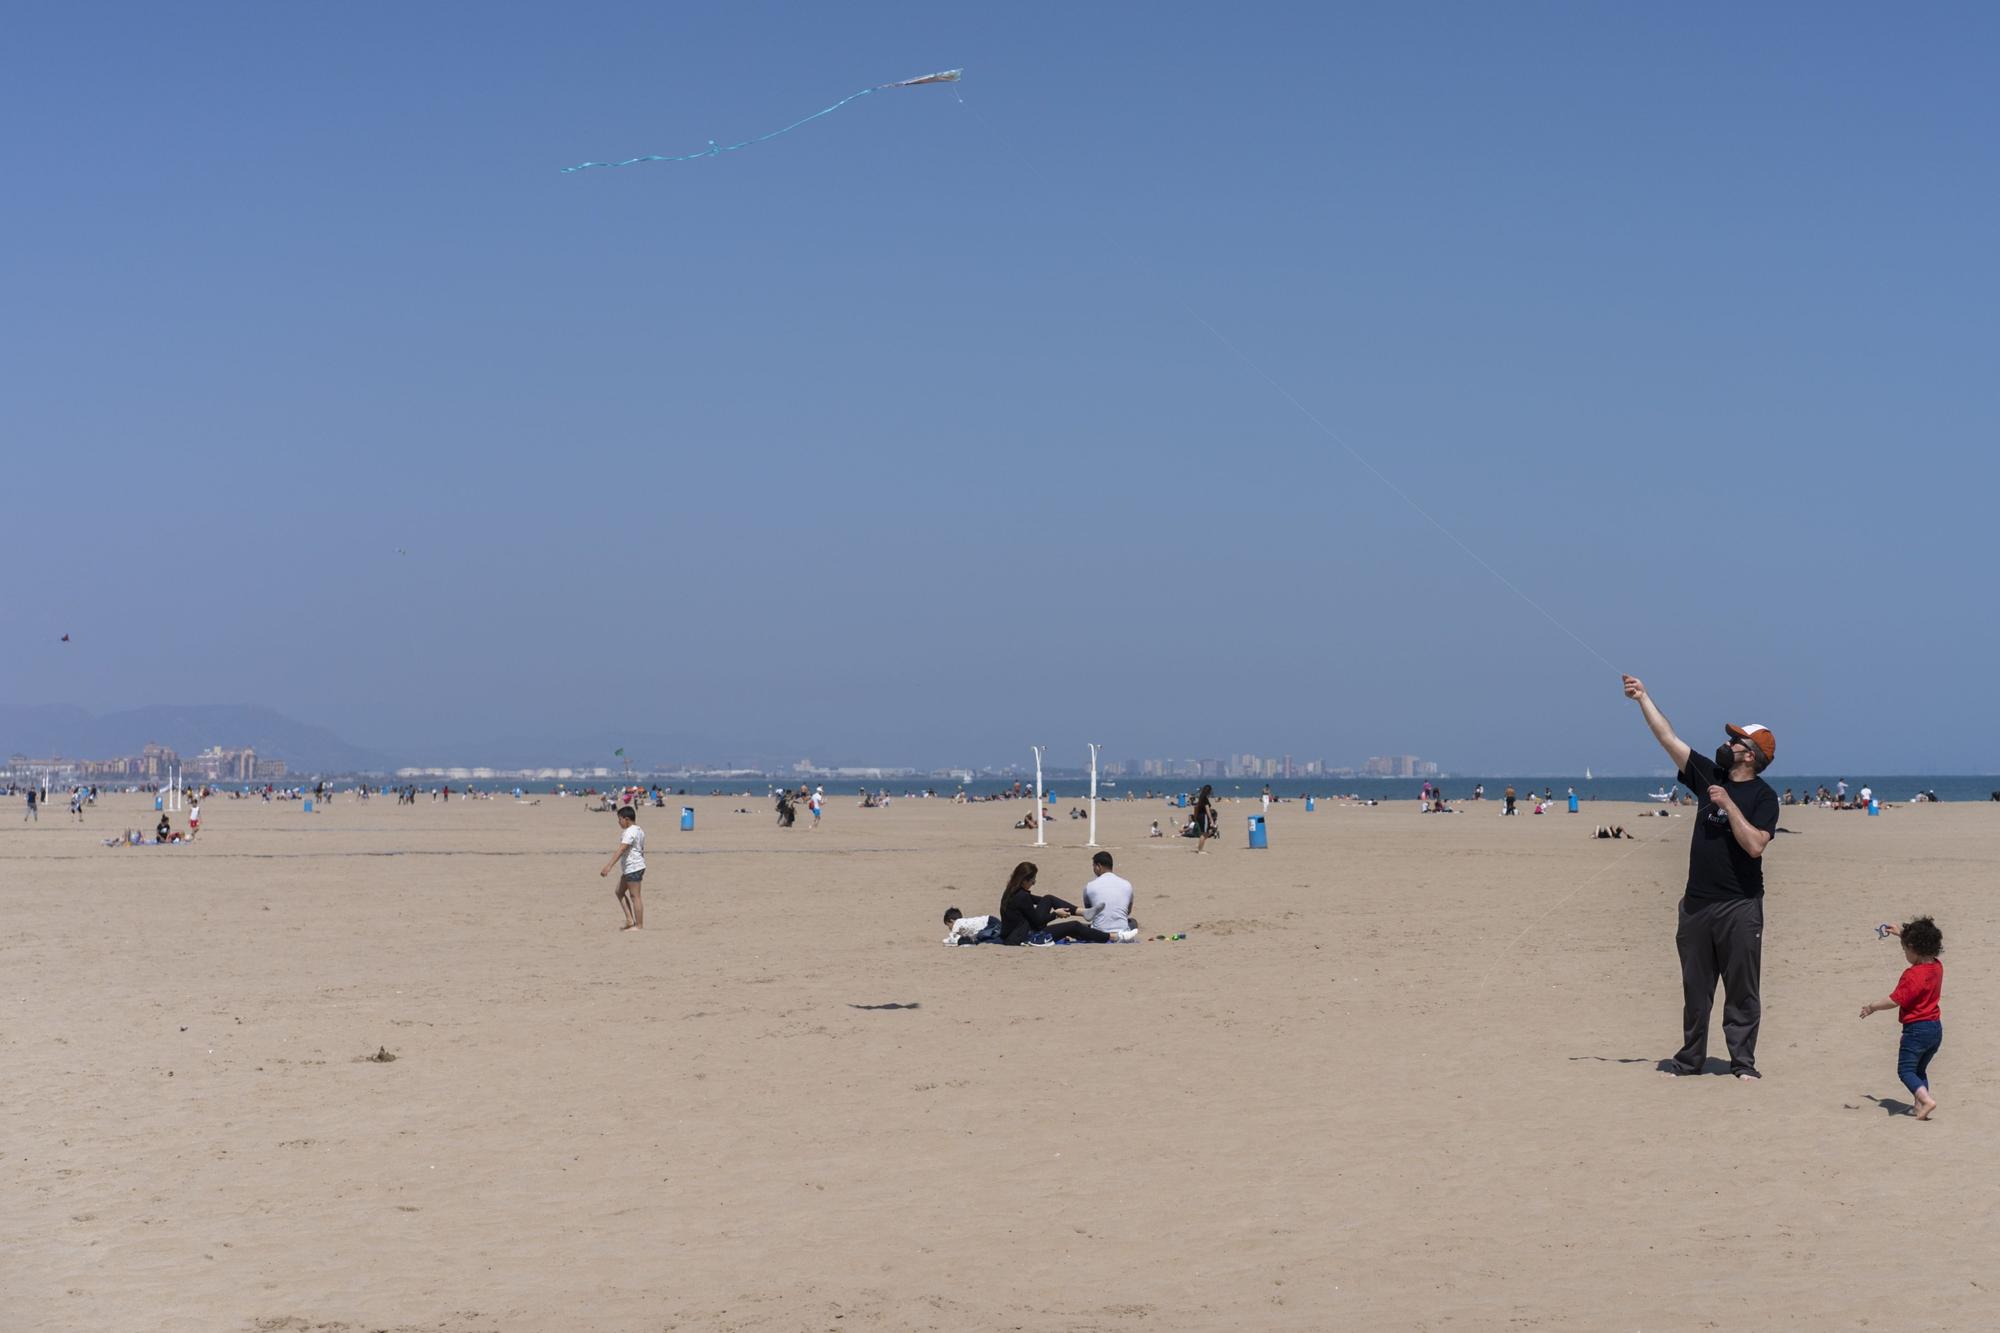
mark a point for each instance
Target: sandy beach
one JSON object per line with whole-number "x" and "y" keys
{"x": 1401, "y": 1074}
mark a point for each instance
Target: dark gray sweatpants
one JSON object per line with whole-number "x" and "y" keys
{"x": 1721, "y": 940}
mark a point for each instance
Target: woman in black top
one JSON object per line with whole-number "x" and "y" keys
{"x": 1204, "y": 815}
{"x": 1024, "y": 913}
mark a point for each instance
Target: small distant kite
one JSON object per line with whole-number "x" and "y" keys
{"x": 715, "y": 149}
{"x": 65, "y": 638}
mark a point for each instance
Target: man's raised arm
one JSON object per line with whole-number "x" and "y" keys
{"x": 1663, "y": 731}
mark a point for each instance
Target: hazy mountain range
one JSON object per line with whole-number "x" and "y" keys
{"x": 64, "y": 729}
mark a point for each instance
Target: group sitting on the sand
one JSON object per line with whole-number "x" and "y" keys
{"x": 1041, "y": 920}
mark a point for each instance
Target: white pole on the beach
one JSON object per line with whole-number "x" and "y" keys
{"x": 1041, "y": 823}
{"x": 1093, "y": 794}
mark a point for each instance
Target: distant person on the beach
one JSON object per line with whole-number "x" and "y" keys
{"x": 1478, "y": 791}
{"x": 817, "y": 804}
{"x": 1267, "y": 798}
{"x": 1107, "y": 900}
{"x": 631, "y": 860}
{"x": 164, "y": 829}
{"x": 1508, "y": 797}
{"x": 1721, "y": 927}
{"x": 34, "y": 810}
{"x": 1156, "y": 833}
{"x": 1204, "y": 815}
{"x": 1916, "y": 998}
{"x": 194, "y": 817}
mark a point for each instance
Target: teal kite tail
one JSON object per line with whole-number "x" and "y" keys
{"x": 715, "y": 149}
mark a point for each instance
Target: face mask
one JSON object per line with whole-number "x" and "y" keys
{"x": 1725, "y": 758}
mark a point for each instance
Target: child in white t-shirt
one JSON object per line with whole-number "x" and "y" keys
{"x": 630, "y": 860}
{"x": 963, "y": 929}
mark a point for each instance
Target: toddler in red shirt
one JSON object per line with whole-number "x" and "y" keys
{"x": 1916, "y": 998}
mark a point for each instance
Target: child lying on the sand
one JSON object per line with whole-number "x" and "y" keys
{"x": 963, "y": 929}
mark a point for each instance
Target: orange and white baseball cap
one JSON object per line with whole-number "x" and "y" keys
{"x": 1759, "y": 738}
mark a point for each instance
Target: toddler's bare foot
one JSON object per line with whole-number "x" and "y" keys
{"x": 1925, "y": 1104}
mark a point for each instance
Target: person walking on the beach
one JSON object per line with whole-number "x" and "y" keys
{"x": 1508, "y": 797}
{"x": 817, "y": 804}
{"x": 194, "y": 816}
{"x": 1916, "y": 995}
{"x": 1204, "y": 818}
{"x": 632, "y": 853}
{"x": 34, "y": 811}
{"x": 1721, "y": 930}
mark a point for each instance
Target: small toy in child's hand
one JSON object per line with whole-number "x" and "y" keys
{"x": 1882, "y": 931}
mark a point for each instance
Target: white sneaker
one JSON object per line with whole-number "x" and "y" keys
{"x": 1125, "y": 936}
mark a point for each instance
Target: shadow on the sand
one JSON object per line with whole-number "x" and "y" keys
{"x": 1889, "y": 1105}
{"x": 912, "y": 1005}
{"x": 1713, "y": 1066}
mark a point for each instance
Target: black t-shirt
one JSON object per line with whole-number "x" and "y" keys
{"x": 1718, "y": 867}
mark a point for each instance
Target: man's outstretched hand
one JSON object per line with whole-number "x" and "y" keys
{"x": 1634, "y": 687}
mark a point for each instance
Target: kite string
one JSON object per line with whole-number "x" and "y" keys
{"x": 1309, "y": 415}
{"x": 715, "y": 149}
{"x": 1582, "y": 884}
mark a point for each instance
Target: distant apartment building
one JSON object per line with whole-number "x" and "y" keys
{"x": 157, "y": 763}
{"x": 216, "y": 764}
{"x": 1399, "y": 766}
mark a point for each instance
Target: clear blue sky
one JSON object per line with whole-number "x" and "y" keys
{"x": 895, "y": 439}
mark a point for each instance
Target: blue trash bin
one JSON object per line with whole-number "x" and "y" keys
{"x": 309, "y": 805}
{"x": 687, "y": 818}
{"x": 1183, "y": 801}
{"x": 1309, "y": 805}
{"x": 1874, "y": 807}
{"x": 158, "y": 804}
{"x": 1572, "y": 802}
{"x": 1258, "y": 837}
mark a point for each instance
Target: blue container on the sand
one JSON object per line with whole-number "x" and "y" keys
{"x": 687, "y": 819}
{"x": 1309, "y": 805}
{"x": 1874, "y": 807}
{"x": 1572, "y": 802}
{"x": 157, "y": 805}
{"x": 1183, "y": 801}
{"x": 1258, "y": 839}
{"x": 309, "y": 805}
